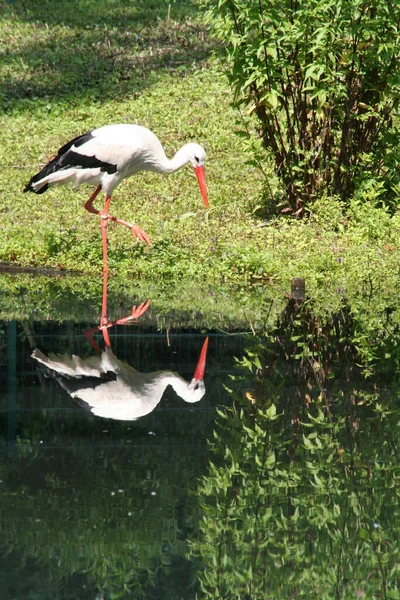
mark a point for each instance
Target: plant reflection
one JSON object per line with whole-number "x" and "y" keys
{"x": 302, "y": 497}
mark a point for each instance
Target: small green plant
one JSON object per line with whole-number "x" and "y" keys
{"x": 322, "y": 80}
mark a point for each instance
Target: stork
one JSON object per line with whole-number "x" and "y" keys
{"x": 106, "y": 156}
{"x": 112, "y": 389}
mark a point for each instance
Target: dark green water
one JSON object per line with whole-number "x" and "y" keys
{"x": 282, "y": 482}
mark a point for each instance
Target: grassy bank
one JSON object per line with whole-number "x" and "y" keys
{"x": 72, "y": 66}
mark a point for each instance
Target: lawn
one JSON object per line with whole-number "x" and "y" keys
{"x": 70, "y": 66}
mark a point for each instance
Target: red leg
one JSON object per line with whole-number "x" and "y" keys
{"x": 135, "y": 314}
{"x": 89, "y": 333}
{"x": 105, "y": 324}
{"x": 136, "y": 231}
{"x": 104, "y": 320}
{"x": 89, "y": 204}
{"x": 104, "y": 223}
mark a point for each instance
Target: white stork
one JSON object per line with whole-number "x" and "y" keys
{"x": 106, "y": 156}
{"x": 113, "y": 389}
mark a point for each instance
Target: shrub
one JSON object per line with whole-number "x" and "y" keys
{"x": 323, "y": 79}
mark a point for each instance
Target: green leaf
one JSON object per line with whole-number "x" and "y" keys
{"x": 270, "y": 413}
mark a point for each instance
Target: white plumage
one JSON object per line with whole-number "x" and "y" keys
{"x": 113, "y": 389}
{"x": 107, "y": 155}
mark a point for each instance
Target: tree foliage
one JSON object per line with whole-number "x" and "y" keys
{"x": 323, "y": 79}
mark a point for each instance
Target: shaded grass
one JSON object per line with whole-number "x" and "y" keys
{"x": 78, "y": 299}
{"x": 100, "y": 49}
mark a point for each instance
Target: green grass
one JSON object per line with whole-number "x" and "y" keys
{"x": 71, "y": 66}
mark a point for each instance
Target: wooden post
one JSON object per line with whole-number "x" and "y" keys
{"x": 298, "y": 291}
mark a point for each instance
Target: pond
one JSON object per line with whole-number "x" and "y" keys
{"x": 279, "y": 480}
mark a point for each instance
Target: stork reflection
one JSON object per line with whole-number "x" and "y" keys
{"x": 111, "y": 388}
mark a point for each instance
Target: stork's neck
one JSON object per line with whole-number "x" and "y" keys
{"x": 180, "y": 386}
{"x": 179, "y": 160}
{"x": 153, "y": 384}
{"x": 162, "y": 379}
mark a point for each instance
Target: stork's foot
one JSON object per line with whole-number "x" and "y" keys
{"x": 136, "y": 231}
{"x": 135, "y": 314}
{"x": 139, "y": 233}
{"x": 105, "y": 324}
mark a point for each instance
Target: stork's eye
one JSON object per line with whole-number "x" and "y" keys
{"x": 196, "y": 158}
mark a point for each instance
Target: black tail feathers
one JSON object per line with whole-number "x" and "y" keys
{"x": 29, "y": 188}
{"x": 49, "y": 168}
{"x": 65, "y": 158}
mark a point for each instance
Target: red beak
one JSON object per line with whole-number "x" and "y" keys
{"x": 201, "y": 178}
{"x": 201, "y": 365}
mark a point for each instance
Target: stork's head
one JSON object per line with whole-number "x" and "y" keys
{"x": 197, "y": 155}
{"x": 196, "y": 388}
{"x": 197, "y": 158}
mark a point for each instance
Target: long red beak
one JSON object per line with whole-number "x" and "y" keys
{"x": 201, "y": 178}
{"x": 201, "y": 365}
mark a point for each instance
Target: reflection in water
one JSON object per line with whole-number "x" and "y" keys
{"x": 299, "y": 500}
{"x": 94, "y": 508}
{"x": 113, "y": 389}
{"x": 302, "y": 497}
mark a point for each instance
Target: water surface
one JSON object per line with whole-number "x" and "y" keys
{"x": 281, "y": 482}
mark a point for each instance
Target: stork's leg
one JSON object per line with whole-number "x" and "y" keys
{"x": 135, "y": 314}
{"x": 104, "y": 323}
{"x": 89, "y": 333}
{"x": 89, "y": 204}
{"x": 104, "y": 223}
{"x": 136, "y": 231}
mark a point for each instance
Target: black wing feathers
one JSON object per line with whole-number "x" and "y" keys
{"x": 79, "y": 383}
{"x": 78, "y": 141}
{"x": 67, "y": 158}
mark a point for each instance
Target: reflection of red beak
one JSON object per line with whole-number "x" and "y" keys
{"x": 201, "y": 178}
{"x": 201, "y": 365}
